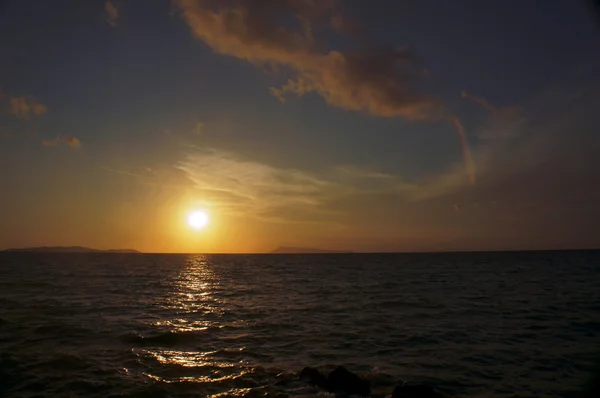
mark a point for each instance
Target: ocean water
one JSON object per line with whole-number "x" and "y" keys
{"x": 132, "y": 325}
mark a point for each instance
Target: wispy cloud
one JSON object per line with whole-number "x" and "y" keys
{"x": 378, "y": 81}
{"x": 504, "y": 121}
{"x": 153, "y": 177}
{"x": 537, "y": 184}
{"x": 355, "y": 172}
{"x": 112, "y": 13}
{"x": 199, "y": 128}
{"x": 235, "y": 185}
{"x": 72, "y": 142}
{"x": 238, "y": 186}
{"x": 24, "y": 108}
{"x": 465, "y": 149}
{"x": 545, "y": 161}
{"x": 481, "y": 101}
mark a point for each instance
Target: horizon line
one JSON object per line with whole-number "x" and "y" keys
{"x": 136, "y": 252}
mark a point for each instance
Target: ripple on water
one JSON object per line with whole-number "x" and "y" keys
{"x": 495, "y": 325}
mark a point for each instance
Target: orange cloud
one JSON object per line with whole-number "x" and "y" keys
{"x": 23, "y": 108}
{"x": 112, "y": 13}
{"x": 378, "y": 82}
{"x": 73, "y": 142}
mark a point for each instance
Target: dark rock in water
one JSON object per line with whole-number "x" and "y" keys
{"x": 341, "y": 379}
{"x": 415, "y": 391}
{"x": 314, "y": 377}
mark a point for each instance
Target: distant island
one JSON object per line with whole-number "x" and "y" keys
{"x": 304, "y": 250}
{"x": 69, "y": 249}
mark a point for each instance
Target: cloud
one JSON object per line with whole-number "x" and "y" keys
{"x": 244, "y": 187}
{"x": 355, "y": 172}
{"x": 536, "y": 187}
{"x": 504, "y": 121}
{"x": 235, "y": 185}
{"x": 381, "y": 82}
{"x": 112, "y": 13}
{"x": 466, "y": 151}
{"x": 199, "y": 128}
{"x": 23, "y": 108}
{"x": 538, "y": 180}
{"x": 72, "y": 142}
{"x": 481, "y": 101}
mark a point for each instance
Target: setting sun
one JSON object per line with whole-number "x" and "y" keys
{"x": 198, "y": 219}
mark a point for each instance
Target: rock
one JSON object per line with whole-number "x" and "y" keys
{"x": 415, "y": 391}
{"x": 341, "y": 379}
{"x": 314, "y": 377}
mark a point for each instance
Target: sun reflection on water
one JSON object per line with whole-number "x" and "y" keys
{"x": 194, "y": 287}
{"x": 200, "y": 313}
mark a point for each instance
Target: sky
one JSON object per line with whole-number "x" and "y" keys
{"x": 384, "y": 125}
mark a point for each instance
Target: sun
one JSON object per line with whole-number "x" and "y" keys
{"x": 198, "y": 219}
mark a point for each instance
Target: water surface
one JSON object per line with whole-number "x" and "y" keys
{"x": 130, "y": 325}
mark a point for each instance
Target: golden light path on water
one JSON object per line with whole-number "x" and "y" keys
{"x": 199, "y": 315}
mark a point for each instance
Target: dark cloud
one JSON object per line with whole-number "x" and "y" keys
{"x": 112, "y": 13}
{"x": 381, "y": 82}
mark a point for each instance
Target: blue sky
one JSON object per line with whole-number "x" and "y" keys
{"x": 147, "y": 109}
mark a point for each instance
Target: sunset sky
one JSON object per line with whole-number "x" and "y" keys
{"x": 381, "y": 125}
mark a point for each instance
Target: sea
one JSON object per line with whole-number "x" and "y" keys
{"x": 510, "y": 324}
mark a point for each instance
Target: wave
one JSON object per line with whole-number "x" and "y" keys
{"x": 164, "y": 339}
{"x": 63, "y": 362}
{"x": 62, "y": 329}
